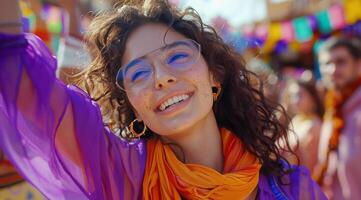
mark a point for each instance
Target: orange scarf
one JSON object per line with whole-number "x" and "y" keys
{"x": 168, "y": 178}
{"x": 334, "y": 104}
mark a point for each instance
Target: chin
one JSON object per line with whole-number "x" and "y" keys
{"x": 181, "y": 124}
{"x": 178, "y": 126}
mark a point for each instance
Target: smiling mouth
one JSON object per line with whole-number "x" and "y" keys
{"x": 173, "y": 101}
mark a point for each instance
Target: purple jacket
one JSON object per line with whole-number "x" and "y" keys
{"x": 56, "y": 137}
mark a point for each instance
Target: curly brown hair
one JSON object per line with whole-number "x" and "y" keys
{"x": 242, "y": 108}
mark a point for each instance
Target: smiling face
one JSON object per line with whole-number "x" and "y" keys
{"x": 168, "y": 100}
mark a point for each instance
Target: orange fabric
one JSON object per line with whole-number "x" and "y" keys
{"x": 334, "y": 103}
{"x": 44, "y": 35}
{"x": 168, "y": 178}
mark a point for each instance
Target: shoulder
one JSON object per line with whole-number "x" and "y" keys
{"x": 298, "y": 184}
{"x": 301, "y": 184}
{"x": 353, "y": 104}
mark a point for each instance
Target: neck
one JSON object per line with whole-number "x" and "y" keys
{"x": 200, "y": 144}
{"x": 350, "y": 86}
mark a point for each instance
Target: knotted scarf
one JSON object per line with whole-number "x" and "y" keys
{"x": 166, "y": 177}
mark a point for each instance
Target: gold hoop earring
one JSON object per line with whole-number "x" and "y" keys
{"x": 216, "y": 90}
{"x": 135, "y": 134}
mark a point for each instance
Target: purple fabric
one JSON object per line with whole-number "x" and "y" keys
{"x": 297, "y": 185}
{"x": 33, "y": 104}
{"x": 55, "y": 135}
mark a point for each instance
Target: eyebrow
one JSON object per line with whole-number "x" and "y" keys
{"x": 171, "y": 45}
{"x": 133, "y": 63}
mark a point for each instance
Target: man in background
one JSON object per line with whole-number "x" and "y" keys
{"x": 339, "y": 160}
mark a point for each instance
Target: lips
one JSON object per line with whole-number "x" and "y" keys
{"x": 172, "y": 100}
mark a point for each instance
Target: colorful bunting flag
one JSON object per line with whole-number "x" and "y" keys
{"x": 287, "y": 31}
{"x": 53, "y": 15}
{"x": 274, "y": 33}
{"x": 303, "y": 30}
{"x": 337, "y": 17}
{"x": 323, "y": 21}
{"x": 261, "y": 31}
{"x": 248, "y": 30}
{"x": 352, "y": 11}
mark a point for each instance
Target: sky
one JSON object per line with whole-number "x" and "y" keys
{"x": 237, "y": 12}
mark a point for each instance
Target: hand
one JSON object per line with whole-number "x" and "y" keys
{"x": 10, "y": 13}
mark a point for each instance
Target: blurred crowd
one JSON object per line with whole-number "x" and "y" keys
{"x": 324, "y": 114}
{"x": 324, "y": 108}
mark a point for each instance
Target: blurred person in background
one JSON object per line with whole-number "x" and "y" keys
{"x": 340, "y": 145}
{"x": 306, "y": 123}
{"x": 289, "y": 68}
{"x": 72, "y": 56}
{"x": 266, "y": 78}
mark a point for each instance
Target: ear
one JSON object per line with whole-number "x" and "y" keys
{"x": 212, "y": 79}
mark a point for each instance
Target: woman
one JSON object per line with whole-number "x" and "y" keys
{"x": 154, "y": 70}
{"x": 306, "y": 123}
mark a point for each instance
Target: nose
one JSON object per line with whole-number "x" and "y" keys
{"x": 162, "y": 76}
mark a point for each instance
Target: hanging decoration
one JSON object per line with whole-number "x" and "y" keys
{"x": 54, "y": 21}
{"x": 303, "y": 30}
{"x": 287, "y": 31}
{"x": 300, "y": 33}
{"x": 352, "y": 11}
{"x": 323, "y": 21}
{"x": 295, "y": 33}
{"x": 337, "y": 17}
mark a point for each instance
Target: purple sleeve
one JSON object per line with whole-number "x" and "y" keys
{"x": 305, "y": 187}
{"x": 54, "y": 134}
{"x": 297, "y": 185}
{"x": 300, "y": 185}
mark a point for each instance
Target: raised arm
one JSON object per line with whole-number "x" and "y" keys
{"x": 54, "y": 134}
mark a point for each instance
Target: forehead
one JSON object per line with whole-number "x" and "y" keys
{"x": 335, "y": 54}
{"x": 147, "y": 38}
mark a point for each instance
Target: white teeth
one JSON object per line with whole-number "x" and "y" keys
{"x": 173, "y": 101}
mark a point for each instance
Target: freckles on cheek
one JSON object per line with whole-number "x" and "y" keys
{"x": 205, "y": 94}
{"x": 140, "y": 101}
{"x": 148, "y": 107}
